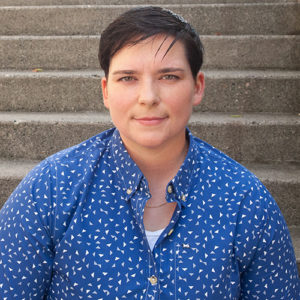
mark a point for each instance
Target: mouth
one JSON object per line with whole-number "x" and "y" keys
{"x": 150, "y": 120}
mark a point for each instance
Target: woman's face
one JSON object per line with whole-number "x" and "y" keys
{"x": 150, "y": 94}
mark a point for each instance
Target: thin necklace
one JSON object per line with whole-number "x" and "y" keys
{"x": 160, "y": 205}
{"x": 186, "y": 148}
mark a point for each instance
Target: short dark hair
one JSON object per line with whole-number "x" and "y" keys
{"x": 138, "y": 24}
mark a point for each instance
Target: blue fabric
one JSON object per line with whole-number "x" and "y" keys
{"x": 73, "y": 229}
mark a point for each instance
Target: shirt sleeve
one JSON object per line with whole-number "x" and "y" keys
{"x": 264, "y": 249}
{"x": 26, "y": 250}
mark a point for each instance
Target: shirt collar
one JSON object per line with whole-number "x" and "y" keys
{"x": 130, "y": 175}
{"x": 181, "y": 183}
{"x": 128, "y": 172}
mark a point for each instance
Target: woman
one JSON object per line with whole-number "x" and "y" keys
{"x": 145, "y": 210}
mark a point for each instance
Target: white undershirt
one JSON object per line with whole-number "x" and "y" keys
{"x": 152, "y": 237}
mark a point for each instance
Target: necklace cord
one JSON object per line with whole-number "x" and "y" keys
{"x": 156, "y": 206}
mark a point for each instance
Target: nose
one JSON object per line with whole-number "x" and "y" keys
{"x": 148, "y": 92}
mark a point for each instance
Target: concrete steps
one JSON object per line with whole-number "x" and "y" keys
{"x": 230, "y": 91}
{"x": 220, "y": 19}
{"x": 80, "y": 52}
{"x": 129, "y": 2}
{"x": 41, "y": 134}
{"x": 250, "y": 110}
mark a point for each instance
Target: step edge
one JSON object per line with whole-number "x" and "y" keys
{"x": 197, "y": 117}
{"x": 210, "y": 73}
{"x": 187, "y": 5}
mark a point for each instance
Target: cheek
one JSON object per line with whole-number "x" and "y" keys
{"x": 121, "y": 96}
{"x": 118, "y": 105}
{"x": 180, "y": 102}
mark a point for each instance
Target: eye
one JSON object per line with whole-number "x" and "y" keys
{"x": 170, "y": 77}
{"x": 126, "y": 78}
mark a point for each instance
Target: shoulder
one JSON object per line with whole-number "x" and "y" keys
{"x": 55, "y": 174}
{"x": 92, "y": 147}
{"x": 72, "y": 159}
{"x": 215, "y": 164}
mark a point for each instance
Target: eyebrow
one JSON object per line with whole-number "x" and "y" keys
{"x": 128, "y": 72}
{"x": 164, "y": 70}
{"x": 170, "y": 70}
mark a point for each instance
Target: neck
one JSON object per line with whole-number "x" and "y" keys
{"x": 159, "y": 163}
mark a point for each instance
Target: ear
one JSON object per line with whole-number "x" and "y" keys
{"x": 105, "y": 92}
{"x": 199, "y": 89}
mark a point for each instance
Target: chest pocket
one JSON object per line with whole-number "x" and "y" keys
{"x": 200, "y": 275}
{"x": 188, "y": 262}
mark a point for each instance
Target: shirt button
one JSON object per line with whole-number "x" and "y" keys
{"x": 170, "y": 190}
{"x": 129, "y": 191}
{"x": 171, "y": 231}
{"x": 153, "y": 279}
{"x": 183, "y": 198}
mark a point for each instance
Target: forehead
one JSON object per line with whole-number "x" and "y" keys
{"x": 157, "y": 49}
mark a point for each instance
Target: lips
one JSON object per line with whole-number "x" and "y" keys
{"x": 150, "y": 120}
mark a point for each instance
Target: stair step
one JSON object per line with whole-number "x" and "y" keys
{"x": 252, "y": 52}
{"x": 129, "y": 2}
{"x": 246, "y": 138}
{"x": 80, "y": 52}
{"x": 38, "y": 135}
{"x": 227, "y": 91}
{"x": 277, "y": 178}
{"x": 251, "y": 137}
{"x": 251, "y": 91}
{"x": 224, "y": 19}
{"x": 51, "y": 91}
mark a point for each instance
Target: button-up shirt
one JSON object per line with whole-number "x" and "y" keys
{"x": 73, "y": 229}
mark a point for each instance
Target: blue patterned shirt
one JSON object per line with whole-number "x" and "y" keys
{"x": 73, "y": 229}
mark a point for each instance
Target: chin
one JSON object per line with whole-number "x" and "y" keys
{"x": 149, "y": 141}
